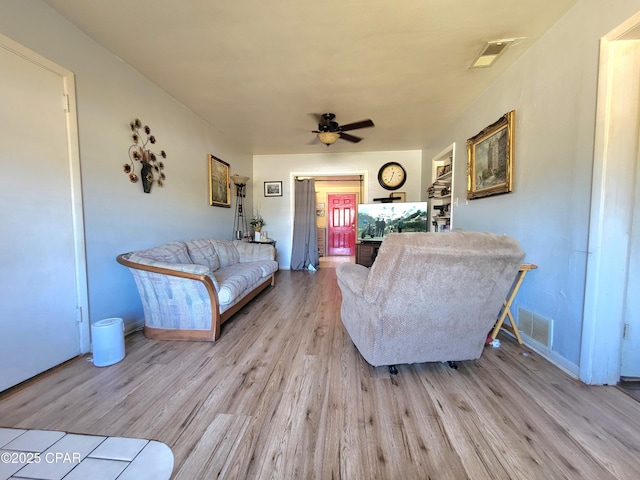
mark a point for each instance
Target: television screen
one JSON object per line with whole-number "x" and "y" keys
{"x": 375, "y": 220}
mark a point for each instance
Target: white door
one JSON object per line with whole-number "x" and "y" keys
{"x": 38, "y": 279}
{"x": 630, "y": 364}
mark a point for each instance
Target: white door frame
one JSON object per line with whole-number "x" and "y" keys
{"x": 364, "y": 182}
{"x": 611, "y": 213}
{"x": 75, "y": 180}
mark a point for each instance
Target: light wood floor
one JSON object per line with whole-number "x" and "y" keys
{"x": 284, "y": 394}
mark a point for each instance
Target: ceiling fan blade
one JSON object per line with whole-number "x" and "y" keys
{"x": 349, "y": 138}
{"x": 354, "y": 126}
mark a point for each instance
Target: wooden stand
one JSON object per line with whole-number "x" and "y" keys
{"x": 506, "y": 306}
{"x": 366, "y": 253}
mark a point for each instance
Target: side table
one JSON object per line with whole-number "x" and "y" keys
{"x": 506, "y": 306}
{"x": 366, "y": 253}
{"x": 268, "y": 241}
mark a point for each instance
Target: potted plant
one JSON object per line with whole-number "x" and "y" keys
{"x": 257, "y": 222}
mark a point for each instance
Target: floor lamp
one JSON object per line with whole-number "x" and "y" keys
{"x": 240, "y": 221}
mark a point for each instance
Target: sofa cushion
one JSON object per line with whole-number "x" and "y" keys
{"x": 227, "y": 252}
{"x": 266, "y": 267}
{"x": 234, "y": 280}
{"x": 203, "y": 252}
{"x": 173, "y": 252}
{"x": 252, "y": 252}
{"x": 232, "y": 284}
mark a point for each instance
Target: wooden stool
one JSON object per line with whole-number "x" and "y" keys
{"x": 506, "y": 306}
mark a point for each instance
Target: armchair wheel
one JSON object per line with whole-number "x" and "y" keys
{"x": 453, "y": 365}
{"x": 393, "y": 370}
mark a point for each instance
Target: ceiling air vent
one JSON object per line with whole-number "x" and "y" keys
{"x": 491, "y": 52}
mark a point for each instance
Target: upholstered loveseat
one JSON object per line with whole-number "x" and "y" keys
{"x": 428, "y": 297}
{"x": 188, "y": 289}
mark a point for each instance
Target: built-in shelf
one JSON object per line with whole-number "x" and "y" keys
{"x": 440, "y": 206}
{"x": 322, "y": 242}
{"x": 444, "y": 177}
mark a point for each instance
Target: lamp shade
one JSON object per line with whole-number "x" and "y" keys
{"x": 239, "y": 179}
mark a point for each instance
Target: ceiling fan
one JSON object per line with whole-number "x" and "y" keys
{"x": 329, "y": 131}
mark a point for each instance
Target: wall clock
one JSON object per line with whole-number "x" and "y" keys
{"x": 392, "y": 176}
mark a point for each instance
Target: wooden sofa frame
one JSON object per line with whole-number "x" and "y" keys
{"x": 217, "y": 318}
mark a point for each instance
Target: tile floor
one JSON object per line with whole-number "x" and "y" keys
{"x": 52, "y": 455}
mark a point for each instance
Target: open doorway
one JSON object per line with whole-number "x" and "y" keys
{"x": 331, "y": 243}
{"x": 611, "y": 328}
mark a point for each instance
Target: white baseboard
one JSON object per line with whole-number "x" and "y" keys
{"x": 559, "y": 361}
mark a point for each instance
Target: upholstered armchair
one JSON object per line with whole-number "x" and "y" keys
{"x": 428, "y": 297}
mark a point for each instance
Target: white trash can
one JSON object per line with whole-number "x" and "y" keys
{"x": 107, "y": 337}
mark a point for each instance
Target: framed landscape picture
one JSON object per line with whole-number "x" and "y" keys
{"x": 272, "y": 189}
{"x": 490, "y": 159}
{"x": 219, "y": 183}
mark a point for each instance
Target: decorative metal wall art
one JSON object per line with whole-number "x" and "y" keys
{"x": 151, "y": 168}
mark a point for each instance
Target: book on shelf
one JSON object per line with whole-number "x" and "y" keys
{"x": 442, "y": 182}
{"x": 438, "y": 191}
{"x": 441, "y": 211}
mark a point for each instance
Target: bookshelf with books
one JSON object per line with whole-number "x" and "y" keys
{"x": 440, "y": 190}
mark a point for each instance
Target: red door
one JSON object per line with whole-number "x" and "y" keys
{"x": 341, "y": 231}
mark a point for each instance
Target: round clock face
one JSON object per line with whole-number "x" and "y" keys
{"x": 392, "y": 176}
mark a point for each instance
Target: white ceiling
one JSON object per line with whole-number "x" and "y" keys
{"x": 258, "y": 69}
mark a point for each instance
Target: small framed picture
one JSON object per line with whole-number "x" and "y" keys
{"x": 272, "y": 189}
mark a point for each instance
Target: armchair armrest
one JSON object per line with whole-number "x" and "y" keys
{"x": 354, "y": 277}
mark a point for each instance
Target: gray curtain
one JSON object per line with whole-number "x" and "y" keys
{"x": 304, "y": 248}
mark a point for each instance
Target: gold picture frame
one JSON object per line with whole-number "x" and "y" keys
{"x": 490, "y": 159}
{"x": 219, "y": 183}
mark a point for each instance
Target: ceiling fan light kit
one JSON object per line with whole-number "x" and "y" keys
{"x": 329, "y": 131}
{"x": 328, "y": 138}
